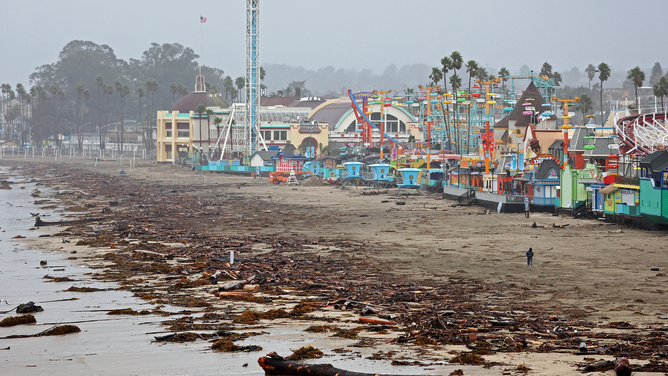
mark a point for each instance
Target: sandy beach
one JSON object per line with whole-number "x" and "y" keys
{"x": 587, "y": 274}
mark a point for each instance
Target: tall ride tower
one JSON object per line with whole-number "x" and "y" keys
{"x": 252, "y": 75}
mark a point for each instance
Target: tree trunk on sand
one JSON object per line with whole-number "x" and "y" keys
{"x": 274, "y": 364}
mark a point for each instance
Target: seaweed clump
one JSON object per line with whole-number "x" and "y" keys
{"x": 18, "y": 320}
{"x": 250, "y": 317}
{"x": 60, "y": 330}
{"x": 306, "y": 352}
{"x": 468, "y": 358}
{"x": 224, "y": 345}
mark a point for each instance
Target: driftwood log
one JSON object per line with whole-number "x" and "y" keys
{"x": 274, "y": 364}
{"x": 41, "y": 223}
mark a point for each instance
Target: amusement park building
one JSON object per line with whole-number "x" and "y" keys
{"x": 283, "y": 121}
{"x": 509, "y": 132}
{"x": 344, "y": 129}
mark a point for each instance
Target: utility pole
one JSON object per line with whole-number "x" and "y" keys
{"x": 428, "y": 121}
{"x": 566, "y": 126}
{"x": 382, "y": 115}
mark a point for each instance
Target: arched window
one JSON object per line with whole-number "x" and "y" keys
{"x": 352, "y": 127}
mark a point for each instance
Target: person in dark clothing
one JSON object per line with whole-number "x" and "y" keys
{"x": 530, "y": 257}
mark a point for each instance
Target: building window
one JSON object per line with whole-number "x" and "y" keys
{"x": 280, "y": 135}
{"x": 391, "y": 124}
{"x": 266, "y": 135}
{"x": 182, "y": 133}
{"x": 168, "y": 133}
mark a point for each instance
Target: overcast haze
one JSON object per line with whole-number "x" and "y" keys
{"x": 347, "y": 34}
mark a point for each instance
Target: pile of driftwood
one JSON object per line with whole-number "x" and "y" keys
{"x": 156, "y": 231}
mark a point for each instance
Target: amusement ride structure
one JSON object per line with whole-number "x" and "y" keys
{"x": 641, "y": 134}
{"x": 566, "y": 126}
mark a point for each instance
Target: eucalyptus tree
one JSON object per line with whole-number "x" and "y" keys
{"x": 657, "y": 72}
{"x": 603, "y": 75}
{"x": 174, "y": 89}
{"x": 637, "y": 76}
{"x": 182, "y": 90}
{"x": 54, "y": 92}
{"x": 591, "y": 73}
{"x": 228, "y": 88}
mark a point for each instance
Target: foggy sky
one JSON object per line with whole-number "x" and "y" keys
{"x": 347, "y": 33}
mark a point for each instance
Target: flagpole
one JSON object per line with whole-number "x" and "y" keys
{"x": 201, "y": 43}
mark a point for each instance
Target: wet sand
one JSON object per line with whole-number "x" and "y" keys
{"x": 600, "y": 270}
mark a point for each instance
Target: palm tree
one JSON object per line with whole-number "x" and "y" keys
{"x": 108, "y": 91}
{"x": 637, "y": 76}
{"x": 125, "y": 90}
{"x": 21, "y": 92}
{"x": 100, "y": 86}
{"x": 557, "y": 78}
{"x": 661, "y": 89}
{"x": 472, "y": 69}
{"x": 456, "y": 83}
{"x": 217, "y": 121}
{"x": 503, "y": 74}
{"x": 435, "y": 76}
{"x": 6, "y": 90}
{"x": 174, "y": 89}
{"x": 78, "y": 113}
{"x": 546, "y": 70}
{"x": 603, "y": 75}
{"x": 240, "y": 82}
{"x": 591, "y": 73}
{"x": 585, "y": 105}
{"x": 324, "y": 149}
{"x": 140, "y": 95}
{"x": 446, "y": 63}
{"x": 151, "y": 88}
{"x": 209, "y": 113}
{"x": 457, "y": 61}
{"x": 86, "y": 94}
{"x": 200, "y": 110}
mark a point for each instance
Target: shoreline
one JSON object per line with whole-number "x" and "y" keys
{"x": 214, "y": 200}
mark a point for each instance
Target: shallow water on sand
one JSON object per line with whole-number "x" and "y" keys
{"x": 112, "y": 345}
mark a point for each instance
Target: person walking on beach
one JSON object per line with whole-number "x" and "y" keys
{"x": 530, "y": 257}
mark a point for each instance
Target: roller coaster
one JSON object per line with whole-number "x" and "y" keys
{"x": 641, "y": 134}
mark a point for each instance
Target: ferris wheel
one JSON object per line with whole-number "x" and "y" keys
{"x": 641, "y": 134}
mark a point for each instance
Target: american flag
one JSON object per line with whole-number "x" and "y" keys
{"x": 202, "y": 19}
